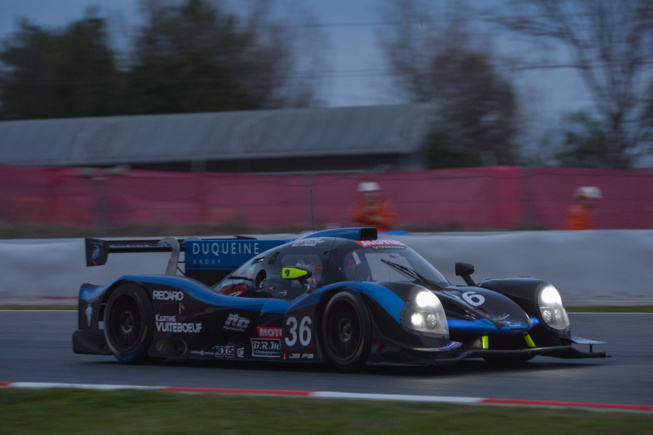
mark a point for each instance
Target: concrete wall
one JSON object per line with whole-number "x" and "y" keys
{"x": 588, "y": 267}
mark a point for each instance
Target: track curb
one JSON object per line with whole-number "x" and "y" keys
{"x": 346, "y": 396}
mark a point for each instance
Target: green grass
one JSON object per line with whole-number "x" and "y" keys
{"x": 128, "y": 411}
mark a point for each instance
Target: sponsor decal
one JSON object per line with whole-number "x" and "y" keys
{"x": 378, "y": 243}
{"x": 308, "y": 242}
{"x": 224, "y": 351}
{"x": 236, "y": 323}
{"x": 300, "y": 356}
{"x": 266, "y": 348}
{"x": 89, "y": 314}
{"x": 225, "y": 253}
{"x": 516, "y": 325}
{"x": 170, "y": 324}
{"x": 162, "y": 346}
{"x": 269, "y": 332}
{"x": 167, "y": 295}
{"x": 226, "y": 248}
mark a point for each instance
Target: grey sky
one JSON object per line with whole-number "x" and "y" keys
{"x": 354, "y": 62}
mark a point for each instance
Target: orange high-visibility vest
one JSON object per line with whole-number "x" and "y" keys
{"x": 579, "y": 217}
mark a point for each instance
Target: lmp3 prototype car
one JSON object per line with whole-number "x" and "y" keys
{"x": 339, "y": 296}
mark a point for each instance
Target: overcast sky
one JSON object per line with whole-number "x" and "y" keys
{"x": 354, "y": 61}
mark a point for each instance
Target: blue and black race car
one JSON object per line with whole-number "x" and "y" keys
{"x": 340, "y": 296}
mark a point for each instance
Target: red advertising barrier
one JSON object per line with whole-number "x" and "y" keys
{"x": 495, "y": 197}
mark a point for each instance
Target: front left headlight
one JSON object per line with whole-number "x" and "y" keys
{"x": 423, "y": 313}
{"x": 551, "y": 309}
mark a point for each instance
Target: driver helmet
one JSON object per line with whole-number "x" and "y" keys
{"x": 315, "y": 266}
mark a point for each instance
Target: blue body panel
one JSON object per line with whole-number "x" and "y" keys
{"x": 197, "y": 291}
{"x": 484, "y": 326}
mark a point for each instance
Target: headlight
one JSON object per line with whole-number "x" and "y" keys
{"x": 551, "y": 308}
{"x": 424, "y": 314}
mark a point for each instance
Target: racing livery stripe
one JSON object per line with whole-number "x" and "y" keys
{"x": 346, "y": 396}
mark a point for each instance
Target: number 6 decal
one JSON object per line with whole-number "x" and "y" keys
{"x": 474, "y": 299}
{"x": 305, "y": 331}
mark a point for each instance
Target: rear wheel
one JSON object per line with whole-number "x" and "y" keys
{"x": 128, "y": 323}
{"x": 346, "y": 331}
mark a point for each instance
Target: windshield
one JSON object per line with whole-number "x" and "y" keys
{"x": 399, "y": 264}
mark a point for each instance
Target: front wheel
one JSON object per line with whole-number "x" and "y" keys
{"x": 346, "y": 331}
{"x": 128, "y": 323}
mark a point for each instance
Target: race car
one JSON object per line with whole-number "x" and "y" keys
{"x": 343, "y": 297}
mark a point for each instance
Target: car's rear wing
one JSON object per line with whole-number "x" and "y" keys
{"x": 207, "y": 260}
{"x": 98, "y": 250}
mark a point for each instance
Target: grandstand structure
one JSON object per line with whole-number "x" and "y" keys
{"x": 351, "y": 139}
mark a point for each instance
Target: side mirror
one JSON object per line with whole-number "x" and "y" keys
{"x": 296, "y": 272}
{"x": 299, "y": 273}
{"x": 465, "y": 270}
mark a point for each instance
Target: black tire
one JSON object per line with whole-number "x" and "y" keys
{"x": 128, "y": 324}
{"x": 346, "y": 331}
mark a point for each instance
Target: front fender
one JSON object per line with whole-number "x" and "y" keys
{"x": 524, "y": 292}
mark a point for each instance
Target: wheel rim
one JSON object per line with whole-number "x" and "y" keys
{"x": 124, "y": 323}
{"x": 343, "y": 331}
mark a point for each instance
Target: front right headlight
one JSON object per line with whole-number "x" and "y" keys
{"x": 423, "y": 314}
{"x": 551, "y": 309}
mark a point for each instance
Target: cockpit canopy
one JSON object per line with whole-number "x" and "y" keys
{"x": 388, "y": 261}
{"x": 329, "y": 260}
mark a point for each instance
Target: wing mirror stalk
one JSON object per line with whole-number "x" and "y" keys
{"x": 465, "y": 270}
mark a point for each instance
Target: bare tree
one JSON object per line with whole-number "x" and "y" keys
{"x": 443, "y": 60}
{"x": 611, "y": 45}
{"x": 246, "y": 55}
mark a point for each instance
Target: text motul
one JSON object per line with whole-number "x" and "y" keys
{"x": 269, "y": 332}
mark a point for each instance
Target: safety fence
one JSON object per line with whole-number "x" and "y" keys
{"x": 495, "y": 197}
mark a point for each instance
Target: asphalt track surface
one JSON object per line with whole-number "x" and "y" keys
{"x": 35, "y": 346}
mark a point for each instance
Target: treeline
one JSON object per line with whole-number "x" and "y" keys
{"x": 188, "y": 58}
{"x": 195, "y": 56}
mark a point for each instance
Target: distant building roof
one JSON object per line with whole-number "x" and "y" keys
{"x": 216, "y": 137}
